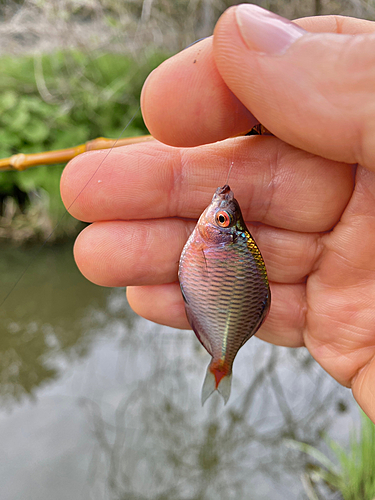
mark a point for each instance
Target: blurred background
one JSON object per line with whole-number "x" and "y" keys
{"x": 96, "y": 403}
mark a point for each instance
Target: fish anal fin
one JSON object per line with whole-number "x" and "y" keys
{"x": 201, "y": 337}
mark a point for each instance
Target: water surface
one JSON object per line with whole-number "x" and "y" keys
{"x": 98, "y": 404}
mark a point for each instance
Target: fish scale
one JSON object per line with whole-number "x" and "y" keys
{"x": 224, "y": 283}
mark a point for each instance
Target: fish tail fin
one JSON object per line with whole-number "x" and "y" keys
{"x": 209, "y": 386}
{"x": 217, "y": 379}
{"x": 225, "y": 387}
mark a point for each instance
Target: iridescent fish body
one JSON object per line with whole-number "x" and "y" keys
{"x": 224, "y": 283}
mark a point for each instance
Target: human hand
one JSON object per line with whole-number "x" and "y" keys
{"x": 316, "y": 94}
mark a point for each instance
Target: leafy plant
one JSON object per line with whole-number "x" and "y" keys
{"x": 56, "y": 101}
{"x": 354, "y": 476}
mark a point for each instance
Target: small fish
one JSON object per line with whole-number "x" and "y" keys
{"x": 224, "y": 284}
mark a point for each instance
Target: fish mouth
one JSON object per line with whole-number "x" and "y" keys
{"x": 222, "y": 191}
{"x": 223, "y": 194}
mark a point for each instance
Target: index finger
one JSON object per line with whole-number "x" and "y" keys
{"x": 185, "y": 101}
{"x": 274, "y": 183}
{"x": 186, "y": 97}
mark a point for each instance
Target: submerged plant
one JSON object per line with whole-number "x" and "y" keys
{"x": 354, "y": 475}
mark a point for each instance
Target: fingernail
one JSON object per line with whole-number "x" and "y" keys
{"x": 264, "y": 31}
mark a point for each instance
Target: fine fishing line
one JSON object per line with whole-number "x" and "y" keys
{"x": 233, "y": 149}
{"x": 230, "y": 168}
{"x": 66, "y": 212}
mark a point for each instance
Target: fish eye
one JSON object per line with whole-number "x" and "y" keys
{"x": 223, "y": 218}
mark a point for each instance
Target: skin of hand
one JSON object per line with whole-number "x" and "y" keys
{"x": 310, "y": 189}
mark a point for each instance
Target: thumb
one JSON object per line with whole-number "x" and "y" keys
{"x": 314, "y": 91}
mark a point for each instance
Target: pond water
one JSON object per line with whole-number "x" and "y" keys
{"x": 98, "y": 404}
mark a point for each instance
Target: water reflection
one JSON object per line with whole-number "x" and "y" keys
{"x": 51, "y": 317}
{"x": 116, "y": 411}
{"x": 158, "y": 443}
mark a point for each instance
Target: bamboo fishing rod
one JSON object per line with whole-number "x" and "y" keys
{"x": 22, "y": 161}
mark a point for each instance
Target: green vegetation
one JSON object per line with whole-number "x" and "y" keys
{"x": 57, "y": 101}
{"x": 63, "y": 98}
{"x": 354, "y": 477}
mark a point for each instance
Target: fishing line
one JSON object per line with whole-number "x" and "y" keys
{"x": 232, "y": 163}
{"x": 233, "y": 148}
{"x": 230, "y": 168}
{"x": 66, "y": 212}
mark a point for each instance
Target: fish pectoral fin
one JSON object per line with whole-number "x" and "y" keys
{"x": 205, "y": 260}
